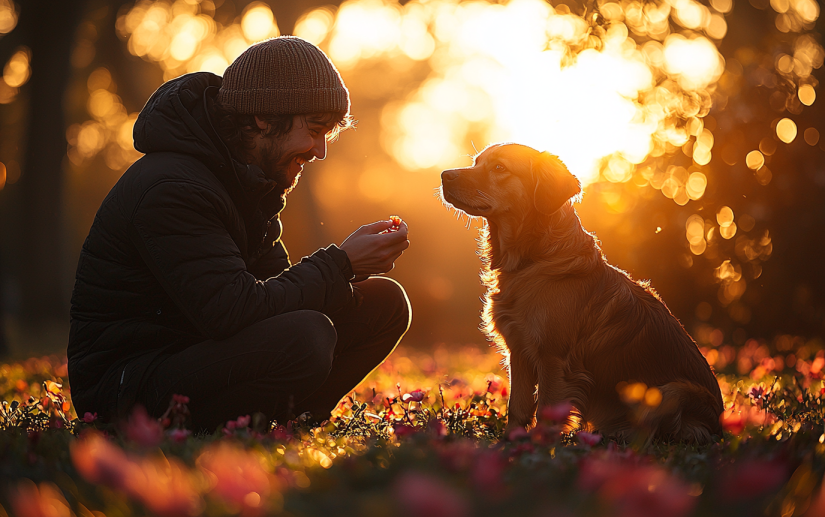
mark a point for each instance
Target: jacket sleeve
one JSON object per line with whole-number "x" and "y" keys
{"x": 181, "y": 234}
{"x": 271, "y": 263}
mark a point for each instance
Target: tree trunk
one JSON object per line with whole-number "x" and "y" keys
{"x": 50, "y": 29}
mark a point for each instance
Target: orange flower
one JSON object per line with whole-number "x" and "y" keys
{"x": 29, "y": 500}
{"x": 164, "y": 486}
{"x": 237, "y": 477}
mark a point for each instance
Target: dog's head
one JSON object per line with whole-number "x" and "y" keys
{"x": 509, "y": 179}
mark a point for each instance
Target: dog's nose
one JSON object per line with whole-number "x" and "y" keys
{"x": 449, "y": 175}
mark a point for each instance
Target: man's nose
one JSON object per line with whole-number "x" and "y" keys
{"x": 449, "y": 175}
{"x": 319, "y": 149}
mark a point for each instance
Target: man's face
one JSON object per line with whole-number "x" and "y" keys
{"x": 282, "y": 157}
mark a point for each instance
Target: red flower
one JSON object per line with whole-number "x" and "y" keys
{"x": 143, "y": 429}
{"x": 733, "y": 422}
{"x": 89, "y": 417}
{"x": 751, "y": 478}
{"x": 422, "y": 495}
{"x": 180, "y": 399}
{"x": 402, "y": 430}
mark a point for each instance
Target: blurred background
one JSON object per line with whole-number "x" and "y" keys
{"x": 695, "y": 128}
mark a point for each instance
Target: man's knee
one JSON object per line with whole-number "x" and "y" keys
{"x": 312, "y": 339}
{"x": 391, "y": 296}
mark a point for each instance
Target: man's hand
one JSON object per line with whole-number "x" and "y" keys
{"x": 373, "y": 250}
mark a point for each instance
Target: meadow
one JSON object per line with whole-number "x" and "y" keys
{"x": 422, "y": 436}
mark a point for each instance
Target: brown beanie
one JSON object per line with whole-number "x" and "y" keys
{"x": 283, "y": 76}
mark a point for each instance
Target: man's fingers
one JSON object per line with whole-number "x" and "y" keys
{"x": 376, "y": 227}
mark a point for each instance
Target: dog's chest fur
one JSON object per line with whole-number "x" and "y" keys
{"x": 530, "y": 326}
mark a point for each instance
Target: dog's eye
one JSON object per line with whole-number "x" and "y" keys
{"x": 499, "y": 168}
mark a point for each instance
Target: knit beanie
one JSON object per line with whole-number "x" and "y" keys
{"x": 283, "y": 76}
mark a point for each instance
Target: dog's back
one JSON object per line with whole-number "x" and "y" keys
{"x": 635, "y": 338}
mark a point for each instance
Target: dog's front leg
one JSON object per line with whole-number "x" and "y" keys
{"x": 521, "y": 408}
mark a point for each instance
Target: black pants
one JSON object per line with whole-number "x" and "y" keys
{"x": 285, "y": 365}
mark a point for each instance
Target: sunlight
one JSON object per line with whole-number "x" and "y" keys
{"x": 518, "y": 71}
{"x": 603, "y": 108}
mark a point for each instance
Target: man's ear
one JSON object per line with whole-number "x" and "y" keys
{"x": 554, "y": 183}
{"x": 262, "y": 124}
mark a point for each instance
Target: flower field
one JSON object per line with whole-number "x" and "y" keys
{"x": 420, "y": 437}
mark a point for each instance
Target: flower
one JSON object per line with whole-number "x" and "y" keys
{"x": 179, "y": 435}
{"x": 143, "y": 429}
{"x": 240, "y": 423}
{"x": 519, "y": 433}
{"x": 180, "y": 399}
{"x": 29, "y": 500}
{"x": 558, "y": 413}
{"x": 415, "y": 396}
{"x": 422, "y": 495}
{"x": 751, "y": 478}
{"x": 401, "y": 430}
{"x": 635, "y": 490}
{"x": 236, "y": 476}
{"x": 99, "y": 461}
{"x": 589, "y": 439}
{"x": 89, "y": 417}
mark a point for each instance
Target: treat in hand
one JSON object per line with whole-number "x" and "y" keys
{"x": 396, "y": 223}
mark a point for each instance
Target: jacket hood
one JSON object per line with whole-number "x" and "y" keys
{"x": 177, "y": 118}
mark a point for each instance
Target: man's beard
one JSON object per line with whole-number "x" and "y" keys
{"x": 274, "y": 170}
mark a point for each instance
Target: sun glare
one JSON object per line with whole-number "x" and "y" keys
{"x": 547, "y": 79}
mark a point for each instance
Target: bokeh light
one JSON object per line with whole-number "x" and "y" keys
{"x": 8, "y": 16}
{"x": 786, "y": 130}
{"x": 17, "y": 71}
{"x": 258, "y": 22}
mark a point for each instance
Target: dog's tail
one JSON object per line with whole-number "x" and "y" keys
{"x": 687, "y": 413}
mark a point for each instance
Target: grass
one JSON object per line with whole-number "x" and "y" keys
{"x": 421, "y": 437}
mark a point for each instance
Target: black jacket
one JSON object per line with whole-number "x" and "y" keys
{"x": 185, "y": 248}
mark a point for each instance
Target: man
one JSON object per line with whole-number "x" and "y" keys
{"x": 183, "y": 285}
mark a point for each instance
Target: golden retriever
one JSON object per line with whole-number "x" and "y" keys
{"x": 570, "y": 322}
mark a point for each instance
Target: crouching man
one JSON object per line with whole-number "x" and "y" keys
{"x": 183, "y": 285}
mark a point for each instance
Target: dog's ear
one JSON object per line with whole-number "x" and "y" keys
{"x": 554, "y": 183}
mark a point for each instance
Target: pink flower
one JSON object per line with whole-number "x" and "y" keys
{"x": 437, "y": 427}
{"x": 589, "y": 439}
{"x": 240, "y": 423}
{"x": 179, "y": 435}
{"x": 415, "y": 396}
{"x": 180, "y": 399}
{"x": 99, "y": 461}
{"x": 636, "y": 490}
{"x": 488, "y": 473}
{"x": 422, "y": 495}
{"x": 143, "y": 429}
{"x": 519, "y": 433}
{"x": 89, "y": 417}
{"x": 558, "y": 413}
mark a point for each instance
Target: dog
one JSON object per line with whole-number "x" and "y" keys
{"x": 568, "y": 321}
